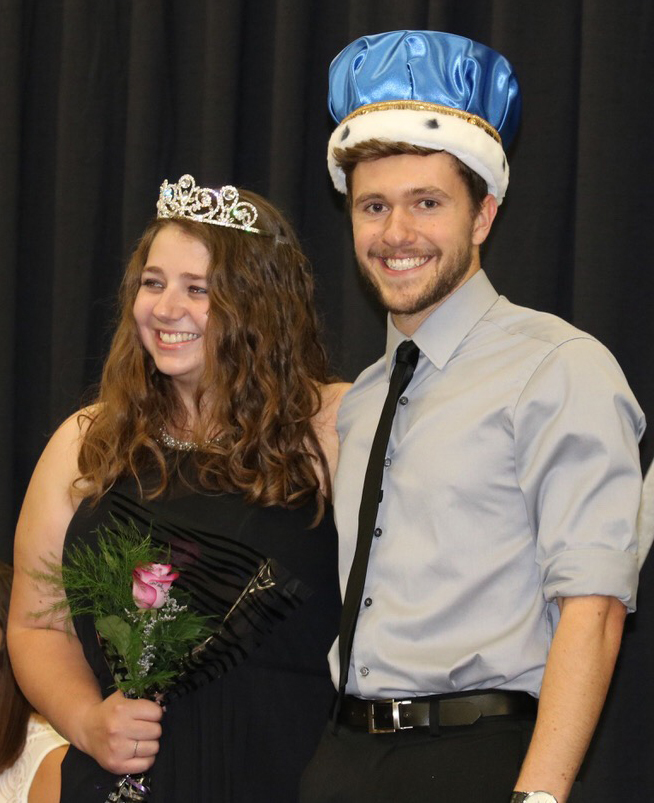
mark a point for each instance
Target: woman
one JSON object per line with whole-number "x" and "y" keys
{"x": 30, "y": 750}
{"x": 215, "y": 418}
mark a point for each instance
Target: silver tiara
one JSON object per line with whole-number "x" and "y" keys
{"x": 219, "y": 207}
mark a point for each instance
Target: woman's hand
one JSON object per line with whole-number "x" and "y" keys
{"x": 121, "y": 734}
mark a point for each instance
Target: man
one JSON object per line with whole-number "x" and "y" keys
{"x": 495, "y": 557}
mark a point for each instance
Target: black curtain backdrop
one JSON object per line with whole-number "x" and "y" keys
{"x": 102, "y": 99}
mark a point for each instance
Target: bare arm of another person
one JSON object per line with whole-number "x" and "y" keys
{"x": 576, "y": 680}
{"x": 46, "y": 785}
{"x": 47, "y": 659}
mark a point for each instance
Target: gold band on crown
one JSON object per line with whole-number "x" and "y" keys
{"x": 220, "y": 207}
{"x": 424, "y": 106}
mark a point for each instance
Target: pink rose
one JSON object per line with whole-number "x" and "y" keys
{"x": 151, "y": 584}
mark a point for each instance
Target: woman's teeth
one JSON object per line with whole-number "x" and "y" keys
{"x": 177, "y": 337}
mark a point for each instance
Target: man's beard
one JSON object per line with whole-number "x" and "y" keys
{"x": 451, "y": 273}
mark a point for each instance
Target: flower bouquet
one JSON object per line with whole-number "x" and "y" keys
{"x": 159, "y": 640}
{"x": 144, "y": 626}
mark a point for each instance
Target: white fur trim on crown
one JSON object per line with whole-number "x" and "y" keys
{"x": 468, "y": 142}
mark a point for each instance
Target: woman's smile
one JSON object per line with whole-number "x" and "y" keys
{"x": 174, "y": 338}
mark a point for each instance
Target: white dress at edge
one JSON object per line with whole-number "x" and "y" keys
{"x": 15, "y": 782}
{"x": 646, "y": 517}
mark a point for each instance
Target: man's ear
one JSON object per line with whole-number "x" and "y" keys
{"x": 484, "y": 220}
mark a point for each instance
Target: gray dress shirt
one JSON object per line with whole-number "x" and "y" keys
{"x": 512, "y": 478}
{"x": 646, "y": 517}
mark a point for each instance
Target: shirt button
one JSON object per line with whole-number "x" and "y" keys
{"x": 367, "y": 602}
{"x": 387, "y": 462}
{"x": 364, "y": 671}
{"x": 404, "y": 400}
{"x": 377, "y": 532}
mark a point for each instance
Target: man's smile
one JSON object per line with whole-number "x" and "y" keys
{"x": 405, "y": 263}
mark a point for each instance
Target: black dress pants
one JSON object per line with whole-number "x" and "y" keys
{"x": 466, "y": 764}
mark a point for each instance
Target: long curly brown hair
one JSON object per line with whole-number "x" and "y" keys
{"x": 15, "y": 708}
{"x": 261, "y": 385}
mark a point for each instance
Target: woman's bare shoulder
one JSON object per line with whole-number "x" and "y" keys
{"x": 73, "y": 428}
{"x": 51, "y": 495}
{"x": 331, "y": 396}
{"x": 79, "y": 422}
{"x": 324, "y": 421}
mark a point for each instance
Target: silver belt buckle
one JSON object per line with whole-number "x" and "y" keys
{"x": 395, "y": 712}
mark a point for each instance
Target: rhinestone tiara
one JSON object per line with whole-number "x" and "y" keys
{"x": 220, "y": 207}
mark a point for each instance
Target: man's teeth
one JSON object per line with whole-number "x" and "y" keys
{"x": 407, "y": 263}
{"x": 177, "y": 337}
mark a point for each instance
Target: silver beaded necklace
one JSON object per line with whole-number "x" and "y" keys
{"x": 167, "y": 440}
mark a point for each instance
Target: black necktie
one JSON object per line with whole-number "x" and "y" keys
{"x": 406, "y": 359}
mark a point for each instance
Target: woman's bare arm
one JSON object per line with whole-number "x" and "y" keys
{"x": 47, "y": 658}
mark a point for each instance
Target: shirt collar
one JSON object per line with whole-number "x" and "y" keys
{"x": 440, "y": 334}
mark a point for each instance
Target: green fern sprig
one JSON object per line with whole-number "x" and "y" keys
{"x": 145, "y": 649}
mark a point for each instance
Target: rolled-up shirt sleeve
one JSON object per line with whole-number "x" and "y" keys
{"x": 577, "y": 427}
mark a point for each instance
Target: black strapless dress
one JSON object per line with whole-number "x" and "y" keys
{"x": 247, "y": 735}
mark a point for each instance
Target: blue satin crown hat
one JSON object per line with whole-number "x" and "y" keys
{"x": 427, "y": 88}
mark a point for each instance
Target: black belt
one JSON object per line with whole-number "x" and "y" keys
{"x": 386, "y": 716}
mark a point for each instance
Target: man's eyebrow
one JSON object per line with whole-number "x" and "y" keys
{"x": 369, "y": 196}
{"x": 413, "y": 192}
{"x": 431, "y": 190}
